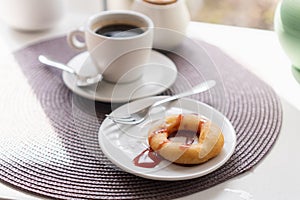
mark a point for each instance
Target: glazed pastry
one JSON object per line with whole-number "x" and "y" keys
{"x": 203, "y": 139}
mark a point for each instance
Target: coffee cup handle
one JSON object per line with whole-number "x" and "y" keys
{"x": 73, "y": 41}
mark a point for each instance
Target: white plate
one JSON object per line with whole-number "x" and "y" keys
{"x": 122, "y": 143}
{"x": 159, "y": 74}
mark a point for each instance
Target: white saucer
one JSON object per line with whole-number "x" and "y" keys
{"x": 122, "y": 143}
{"x": 159, "y": 74}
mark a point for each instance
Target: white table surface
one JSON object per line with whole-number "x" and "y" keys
{"x": 277, "y": 176}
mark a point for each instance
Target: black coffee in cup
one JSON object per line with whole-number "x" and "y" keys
{"x": 119, "y": 30}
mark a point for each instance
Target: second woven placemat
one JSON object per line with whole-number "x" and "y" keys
{"x": 71, "y": 164}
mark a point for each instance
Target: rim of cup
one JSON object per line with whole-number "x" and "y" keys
{"x": 145, "y": 19}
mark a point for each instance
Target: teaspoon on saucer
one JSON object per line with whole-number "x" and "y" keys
{"x": 81, "y": 80}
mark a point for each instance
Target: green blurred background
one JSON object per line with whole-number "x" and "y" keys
{"x": 245, "y": 13}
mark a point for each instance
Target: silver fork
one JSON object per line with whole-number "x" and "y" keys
{"x": 139, "y": 116}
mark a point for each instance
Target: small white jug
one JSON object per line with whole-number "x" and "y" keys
{"x": 170, "y": 18}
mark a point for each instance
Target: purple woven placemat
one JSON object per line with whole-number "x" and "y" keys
{"x": 72, "y": 166}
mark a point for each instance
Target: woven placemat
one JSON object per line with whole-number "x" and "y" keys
{"x": 68, "y": 163}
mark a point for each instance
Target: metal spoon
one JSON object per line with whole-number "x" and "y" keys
{"x": 81, "y": 80}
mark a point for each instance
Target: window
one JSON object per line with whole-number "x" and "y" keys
{"x": 247, "y": 13}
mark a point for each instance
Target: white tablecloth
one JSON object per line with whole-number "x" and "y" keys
{"x": 276, "y": 177}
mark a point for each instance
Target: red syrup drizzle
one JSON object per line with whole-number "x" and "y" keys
{"x": 188, "y": 137}
{"x": 149, "y": 153}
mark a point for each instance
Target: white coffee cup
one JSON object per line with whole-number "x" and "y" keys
{"x": 118, "y": 59}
